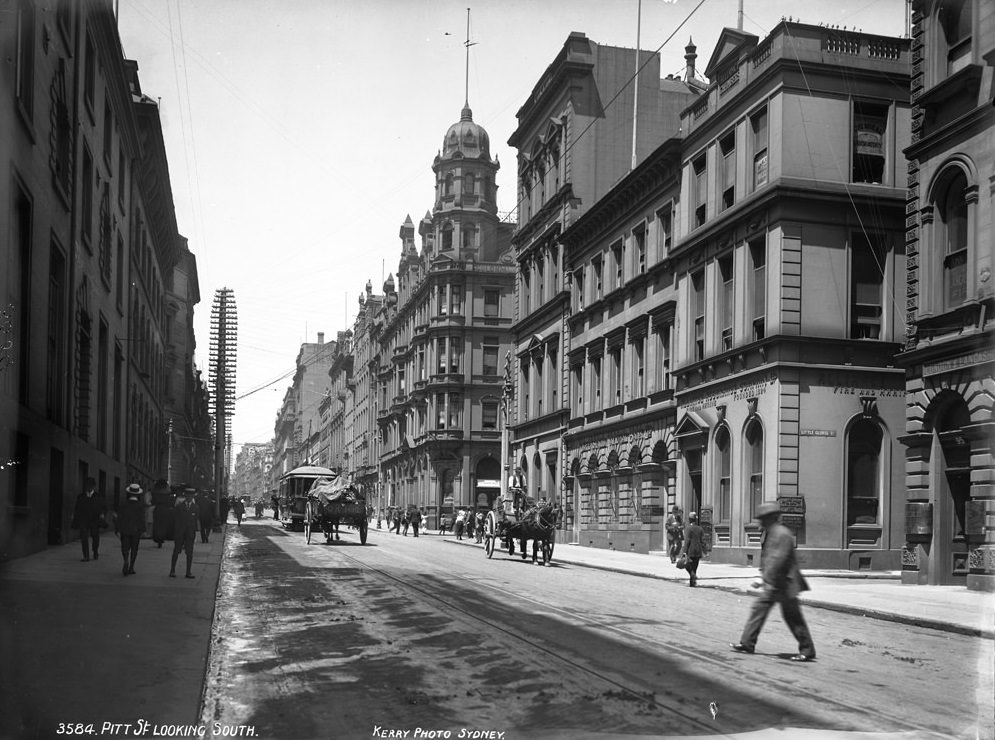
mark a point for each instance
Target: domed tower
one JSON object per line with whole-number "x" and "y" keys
{"x": 465, "y": 218}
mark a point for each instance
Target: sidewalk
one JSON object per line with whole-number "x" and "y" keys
{"x": 146, "y": 637}
{"x": 877, "y": 595}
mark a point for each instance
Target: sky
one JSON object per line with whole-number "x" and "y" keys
{"x": 300, "y": 134}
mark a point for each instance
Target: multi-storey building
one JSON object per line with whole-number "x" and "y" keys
{"x": 445, "y": 329}
{"x": 339, "y": 378}
{"x": 789, "y": 257}
{"x": 297, "y": 430}
{"x": 574, "y": 139}
{"x": 189, "y": 444}
{"x": 949, "y": 474}
{"x": 89, "y": 235}
{"x": 619, "y": 445}
{"x": 362, "y": 439}
{"x": 252, "y": 469}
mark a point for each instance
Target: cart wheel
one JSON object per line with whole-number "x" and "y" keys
{"x": 547, "y": 548}
{"x": 363, "y": 526}
{"x": 307, "y": 522}
{"x": 490, "y": 533}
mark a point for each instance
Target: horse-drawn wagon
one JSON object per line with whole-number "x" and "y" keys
{"x": 532, "y": 521}
{"x": 331, "y": 502}
{"x": 293, "y": 490}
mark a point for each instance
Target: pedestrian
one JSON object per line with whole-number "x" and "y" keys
{"x": 239, "y": 508}
{"x": 185, "y": 531}
{"x": 406, "y": 522}
{"x": 675, "y": 532}
{"x": 479, "y": 529}
{"x": 164, "y": 502}
{"x": 694, "y": 546}
{"x": 276, "y": 507}
{"x": 415, "y": 520}
{"x": 130, "y": 526}
{"x": 782, "y": 582}
{"x": 460, "y": 523}
{"x": 396, "y": 526}
{"x": 469, "y": 524}
{"x": 206, "y": 519}
{"x": 89, "y": 517}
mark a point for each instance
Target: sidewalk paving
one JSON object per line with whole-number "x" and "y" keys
{"x": 84, "y": 645}
{"x": 874, "y": 594}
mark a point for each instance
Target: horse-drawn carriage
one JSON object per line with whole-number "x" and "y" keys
{"x": 534, "y": 521}
{"x": 330, "y": 503}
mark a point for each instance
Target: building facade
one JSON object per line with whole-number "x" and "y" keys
{"x": 948, "y": 352}
{"x": 339, "y": 378}
{"x": 789, "y": 255}
{"x": 89, "y": 236}
{"x": 445, "y": 329}
{"x": 619, "y": 446}
{"x": 362, "y": 437}
{"x": 570, "y": 141}
{"x": 252, "y": 471}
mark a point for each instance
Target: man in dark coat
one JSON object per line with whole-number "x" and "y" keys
{"x": 130, "y": 526}
{"x": 675, "y": 532}
{"x": 185, "y": 531}
{"x": 782, "y": 582}
{"x": 206, "y": 516}
{"x": 164, "y": 503}
{"x": 89, "y": 517}
{"x": 694, "y": 546}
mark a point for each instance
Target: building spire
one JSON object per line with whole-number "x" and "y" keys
{"x": 467, "y": 44}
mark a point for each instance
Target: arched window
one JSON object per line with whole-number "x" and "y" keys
{"x": 449, "y": 184}
{"x": 754, "y": 459}
{"x": 955, "y": 23}
{"x": 952, "y": 239}
{"x": 723, "y": 465}
{"x": 469, "y": 184}
{"x": 863, "y": 479}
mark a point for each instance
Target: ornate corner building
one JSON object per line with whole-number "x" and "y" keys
{"x": 948, "y": 353}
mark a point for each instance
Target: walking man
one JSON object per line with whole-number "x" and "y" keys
{"x": 415, "y": 520}
{"x": 88, "y": 517}
{"x": 184, "y": 532}
{"x": 782, "y": 582}
{"x": 130, "y": 526}
{"x": 206, "y": 518}
{"x": 694, "y": 546}
{"x": 675, "y": 532}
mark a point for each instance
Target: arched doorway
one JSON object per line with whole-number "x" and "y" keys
{"x": 952, "y": 483}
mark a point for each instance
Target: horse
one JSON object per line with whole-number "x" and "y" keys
{"x": 539, "y": 525}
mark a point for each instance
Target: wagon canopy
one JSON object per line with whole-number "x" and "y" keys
{"x": 327, "y": 490}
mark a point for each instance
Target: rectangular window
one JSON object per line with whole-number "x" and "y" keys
{"x": 870, "y": 125}
{"x": 615, "y": 378}
{"x": 664, "y": 233}
{"x": 727, "y": 149}
{"x": 455, "y": 300}
{"x": 726, "y": 303}
{"x": 579, "y": 290}
{"x": 597, "y": 269}
{"x": 577, "y": 383}
{"x": 440, "y": 410}
{"x": 699, "y": 196}
{"x": 661, "y": 366}
{"x": 440, "y": 300}
{"x": 56, "y": 336}
{"x": 639, "y": 245}
{"x": 492, "y": 302}
{"x": 441, "y": 353}
{"x": 758, "y": 288}
{"x": 455, "y": 410}
{"x": 86, "y": 205}
{"x": 89, "y": 74}
{"x": 526, "y": 283}
{"x": 490, "y": 356}
{"x": 24, "y": 82}
{"x": 758, "y": 137}
{"x": 596, "y": 384}
{"x": 489, "y": 415}
{"x": 698, "y": 313}
{"x": 618, "y": 258}
{"x": 524, "y": 383}
{"x": 866, "y": 288}
{"x": 541, "y": 280}
{"x": 638, "y": 366}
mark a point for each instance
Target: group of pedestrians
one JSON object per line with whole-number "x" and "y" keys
{"x": 469, "y": 524}
{"x": 399, "y": 521}
{"x": 780, "y": 582}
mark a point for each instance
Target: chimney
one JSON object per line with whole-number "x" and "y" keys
{"x": 321, "y": 337}
{"x": 690, "y": 56}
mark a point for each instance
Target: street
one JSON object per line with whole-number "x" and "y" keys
{"x": 420, "y": 635}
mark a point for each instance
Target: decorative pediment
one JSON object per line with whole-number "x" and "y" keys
{"x": 690, "y": 426}
{"x": 730, "y": 46}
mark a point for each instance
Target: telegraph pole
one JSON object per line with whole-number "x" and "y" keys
{"x": 224, "y": 345}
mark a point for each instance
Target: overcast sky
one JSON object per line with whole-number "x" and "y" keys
{"x": 301, "y": 133}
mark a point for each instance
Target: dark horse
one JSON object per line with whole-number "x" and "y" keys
{"x": 539, "y": 525}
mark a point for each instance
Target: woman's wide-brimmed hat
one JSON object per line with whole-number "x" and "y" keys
{"x": 134, "y": 490}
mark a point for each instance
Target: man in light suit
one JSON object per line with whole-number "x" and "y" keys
{"x": 782, "y": 582}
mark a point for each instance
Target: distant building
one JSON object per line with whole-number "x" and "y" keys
{"x": 252, "y": 469}
{"x": 362, "y": 438}
{"x": 339, "y": 378}
{"x": 949, "y": 356}
{"x": 445, "y": 333}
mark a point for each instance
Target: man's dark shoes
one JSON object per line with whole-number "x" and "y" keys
{"x": 802, "y": 658}
{"x": 189, "y": 575}
{"x": 741, "y": 648}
